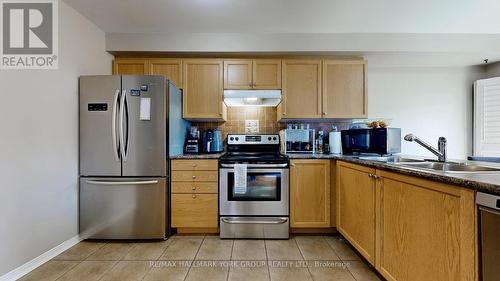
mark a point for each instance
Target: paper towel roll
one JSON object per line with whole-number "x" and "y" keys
{"x": 335, "y": 142}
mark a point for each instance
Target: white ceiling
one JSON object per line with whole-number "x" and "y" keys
{"x": 292, "y": 16}
{"x": 437, "y": 32}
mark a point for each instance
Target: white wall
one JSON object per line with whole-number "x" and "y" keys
{"x": 39, "y": 144}
{"x": 429, "y": 102}
{"x": 492, "y": 70}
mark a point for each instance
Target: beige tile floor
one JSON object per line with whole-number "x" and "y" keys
{"x": 208, "y": 258}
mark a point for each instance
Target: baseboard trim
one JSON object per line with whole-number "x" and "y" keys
{"x": 41, "y": 259}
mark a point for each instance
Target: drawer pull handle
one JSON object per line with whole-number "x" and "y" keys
{"x": 194, "y": 196}
{"x": 194, "y": 177}
{"x": 194, "y": 165}
{"x": 236, "y": 221}
{"x": 194, "y": 188}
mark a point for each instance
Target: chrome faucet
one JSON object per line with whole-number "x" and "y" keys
{"x": 440, "y": 152}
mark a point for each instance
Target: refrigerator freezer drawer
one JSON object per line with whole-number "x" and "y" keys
{"x": 123, "y": 208}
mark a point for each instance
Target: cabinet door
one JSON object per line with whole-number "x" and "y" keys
{"x": 356, "y": 207}
{"x": 301, "y": 89}
{"x": 344, "y": 89}
{"x": 310, "y": 193}
{"x": 426, "y": 230}
{"x": 171, "y": 68}
{"x": 203, "y": 89}
{"x": 194, "y": 210}
{"x": 266, "y": 74}
{"x": 238, "y": 74}
{"x": 122, "y": 66}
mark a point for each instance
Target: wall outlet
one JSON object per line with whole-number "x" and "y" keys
{"x": 251, "y": 126}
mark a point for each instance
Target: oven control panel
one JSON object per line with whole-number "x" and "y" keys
{"x": 253, "y": 139}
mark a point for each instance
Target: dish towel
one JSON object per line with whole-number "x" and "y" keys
{"x": 240, "y": 178}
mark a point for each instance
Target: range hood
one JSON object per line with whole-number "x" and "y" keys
{"x": 252, "y": 97}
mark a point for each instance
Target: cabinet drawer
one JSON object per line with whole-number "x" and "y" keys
{"x": 194, "y": 165}
{"x": 195, "y": 187}
{"x": 195, "y": 176}
{"x": 194, "y": 210}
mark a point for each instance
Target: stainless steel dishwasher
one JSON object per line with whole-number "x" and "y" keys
{"x": 489, "y": 222}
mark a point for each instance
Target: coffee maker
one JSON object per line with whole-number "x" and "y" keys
{"x": 192, "y": 143}
{"x": 212, "y": 141}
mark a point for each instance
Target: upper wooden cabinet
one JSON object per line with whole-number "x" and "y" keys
{"x": 310, "y": 193}
{"x": 247, "y": 74}
{"x": 301, "y": 95}
{"x": 238, "y": 74}
{"x": 171, "y": 68}
{"x": 125, "y": 66}
{"x": 266, "y": 74}
{"x": 344, "y": 89}
{"x": 311, "y": 88}
{"x": 356, "y": 207}
{"x": 203, "y": 89}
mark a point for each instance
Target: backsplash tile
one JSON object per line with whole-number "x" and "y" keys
{"x": 236, "y": 117}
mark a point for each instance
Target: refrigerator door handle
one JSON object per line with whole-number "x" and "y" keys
{"x": 121, "y": 182}
{"x": 113, "y": 126}
{"x": 127, "y": 136}
{"x": 121, "y": 125}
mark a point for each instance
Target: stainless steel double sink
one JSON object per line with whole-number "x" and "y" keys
{"x": 429, "y": 165}
{"x": 448, "y": 167}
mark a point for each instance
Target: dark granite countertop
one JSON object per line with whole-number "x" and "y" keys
{"x": 198, "y": 156}
{"x": 488, "y": 182}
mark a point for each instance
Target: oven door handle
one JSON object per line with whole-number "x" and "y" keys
{"x": 257, "y": 165}
{"x": 240, "y": 221}
{"x": 489, "y": 210}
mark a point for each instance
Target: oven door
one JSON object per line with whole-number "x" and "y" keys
{"x": 267, "y": 193}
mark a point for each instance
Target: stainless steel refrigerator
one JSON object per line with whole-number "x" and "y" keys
{"x": 129, "y": 125}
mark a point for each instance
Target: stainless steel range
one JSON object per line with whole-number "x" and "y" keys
{"x": 260, "y": 208}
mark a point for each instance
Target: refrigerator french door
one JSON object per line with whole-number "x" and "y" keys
{"x": 124, "y": 140}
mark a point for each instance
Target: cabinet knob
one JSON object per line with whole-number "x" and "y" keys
{"x": 194, "y": 188}
{"x": 194, "y": 177}
{"x": 194, "y": 165}
{"x": 194, "y": 196}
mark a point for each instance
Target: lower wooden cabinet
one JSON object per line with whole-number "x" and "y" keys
{"x": 310, "y": 193}
{"x": 194, "y": 200}
{"x": 426, "y": 230}
{"x": 356, "y": 207}
{"x": 194, "y": 210}
{"x": 409, "y": 228}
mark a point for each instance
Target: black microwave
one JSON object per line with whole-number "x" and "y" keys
{"x": 383, "y": 141}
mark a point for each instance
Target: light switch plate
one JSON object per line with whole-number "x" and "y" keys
{"x": 251, "y": 126}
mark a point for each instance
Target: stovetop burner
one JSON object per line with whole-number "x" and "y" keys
{"x": 253, "y": 158}
{"x": 253, "y": 149}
